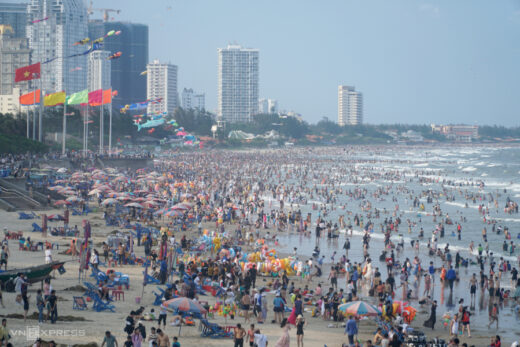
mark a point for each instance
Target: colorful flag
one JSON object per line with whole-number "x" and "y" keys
{"x": 107, "y": 98}
{"x": 32, "y": 98}
{"x": 54, "y": 99}
{"x": 78, "y": 98}
{"x": 94, "y": 98}
{"x": 27, "y": 73}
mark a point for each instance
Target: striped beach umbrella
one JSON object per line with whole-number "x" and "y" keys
{"x": 184, "y": 305}
{"x": 359, "y": 308}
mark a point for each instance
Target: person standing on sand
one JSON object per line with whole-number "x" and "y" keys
{"x": 238, "y": 335}
{"x": 430, "y": 323}
{"x": 300, "y": 323}
{"x": 109, "y": 340}
{"x": 351, "y": 330}
{"x": 285, "y": 339}
{"x": 53, "y": 306}
{"x": 333, "y": 278}
{"x": 162, "y": 339}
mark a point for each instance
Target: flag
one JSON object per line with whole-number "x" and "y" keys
{"x": 31, "y": 98}
{"x": 94, "y": 98}
{"x": 107, "y": 98}
{"x": 78, "y": 98}
{"x": 54, "y": 99}
{"x": 27, "y": 73}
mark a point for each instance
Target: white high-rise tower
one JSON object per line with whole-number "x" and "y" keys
{"x": 54, "y": 26}
{"x": 237, "y": 83}
{"x": 161, "y": 83}
{"x": 99, "y": 73}
{"x": 350, "y": 106}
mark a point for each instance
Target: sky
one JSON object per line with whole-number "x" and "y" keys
{"x": 415, "y": 61}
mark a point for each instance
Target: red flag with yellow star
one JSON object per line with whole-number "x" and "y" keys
{"x": 27, "y": 73}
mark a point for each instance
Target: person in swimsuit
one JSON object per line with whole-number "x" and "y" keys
{"x": 300, "y": 323}
{"x": 473, "y": 288}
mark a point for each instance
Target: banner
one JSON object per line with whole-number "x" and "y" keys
{"x": 94, "y": 98}
{"x": 78, "y": 98}
{"x": 54, "y": 99}
{"x": 32, "y": 98}
{"x": 27, "y": 73}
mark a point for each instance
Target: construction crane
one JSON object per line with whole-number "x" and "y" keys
{"x": 105, "y": 11}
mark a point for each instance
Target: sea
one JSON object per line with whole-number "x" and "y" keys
{"x": 455, "y": 171}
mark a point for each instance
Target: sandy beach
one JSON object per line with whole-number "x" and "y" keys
{"x": 91, "y": 331}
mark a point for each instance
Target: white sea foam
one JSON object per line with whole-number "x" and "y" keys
{"x": 469, "y": 169}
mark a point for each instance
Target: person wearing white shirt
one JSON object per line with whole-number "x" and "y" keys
{"x": 48, "y": 255}
{"x": 260, "y": 339}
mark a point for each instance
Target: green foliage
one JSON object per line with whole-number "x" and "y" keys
{"x": 194, "y": 121}
{"x": 10, "y": 143}
{"x": 12, "y": 126}
{"x": 487, "y": 131}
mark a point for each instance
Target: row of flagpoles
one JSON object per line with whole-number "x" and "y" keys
{"x": 98, "y": 97}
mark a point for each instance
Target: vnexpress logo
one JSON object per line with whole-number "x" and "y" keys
{"x": 32, "y": 333}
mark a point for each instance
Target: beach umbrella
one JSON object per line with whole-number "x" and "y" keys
{"x": 55, "y": 188}
{"x": 54, "y": 217}
{"x": 61, "y": 202}
{"x": 133, "y": 204}
{"x": 160, "y": 212}
{"x": 150, "y": 203}
{"x": 180, "y": 208}
{"x": 73, "y": 199}
{"x": 109, "y": 201}
{"x": 94, "y": 192}
{"x": 173, "y": 213}
{"x": 359, "y": 308}
{"x": 183, "y": 305}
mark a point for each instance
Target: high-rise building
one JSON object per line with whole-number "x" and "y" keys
{"x": 263, "y": 106}
{"x": 10, "y": 103}
{"x": 98, "y": 76}
{"x": 14, "y": 53}
{"x": 53, "y": 28}
{"x": 15, "y": 15}
{"x": 192, "y": 100}
{"x": 350, "y": 106}
{"x": 162, "y": 83}
{"x": 272, "y": 106}
{"x": 237, "y": 83}
{"x": 267, "y": 106}
{"x": 187, "y": 98}
{"x": 199, "y": 101}
{"x": 126, "y": 71}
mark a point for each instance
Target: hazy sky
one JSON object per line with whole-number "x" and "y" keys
{"x": 415, "y": 61}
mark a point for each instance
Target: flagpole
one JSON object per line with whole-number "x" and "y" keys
{"x": 83, "y": 109}
{"x": 63, "y": 140}
{"x": 101, "y": 125}
{"x": 86, "y": 132}
{"x": 27, "y": 117}
{"x": 110, "y": 126}
{"x": 34, "y": 115}
{"x": 40, "y": 116}
{"x": 40, "y": 132}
